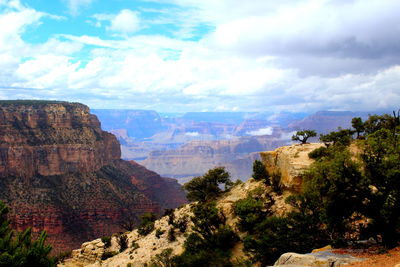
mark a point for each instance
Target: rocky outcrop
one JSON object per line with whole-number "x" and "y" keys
{"x": 90, "y": 254}
{"x": 319, "y": 259}
{"x": 290, "y": 162}
{"x": 61, "y": 173}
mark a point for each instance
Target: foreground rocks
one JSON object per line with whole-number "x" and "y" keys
{"x": 318, "y": 259}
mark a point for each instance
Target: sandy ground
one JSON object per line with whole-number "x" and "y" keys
{"x": 389, "y": 259}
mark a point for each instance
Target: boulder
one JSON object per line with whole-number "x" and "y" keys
{"x": 326, "y": 258}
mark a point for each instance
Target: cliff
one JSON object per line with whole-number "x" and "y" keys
{"x": 52, "y": 139}
{"x": 61, "y": 173}
{"x": 290, "y": 162}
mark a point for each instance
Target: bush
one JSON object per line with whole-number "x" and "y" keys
{"x": 182, "y": 224}
{"x": 260, "y": 172}
{"x": 134, "y": 245}
{"x": 207, "y": 187}
{"x": 62, "y": 256}
{"x": 108, "y": 254}
{"x": 171, "y": 235}
{"x": 318, "y": 153}
{"x": 277, "y": 235}
{"x": 303, "y": 136}
{"x": 171, "y": 215}
{"x": 18, "y": 248}
{"x": 159, "y": 232}
{"x": 276, "y": 182}
{"x": 163, "y": 259}
{"x": 342, "y": 137}
{"x": 146, "y": 225}
{"x": 249, "y": 211}
{"x": 211, "y": 242}
{"x": 107, "y": 241}
{"x": 122, "y": 242}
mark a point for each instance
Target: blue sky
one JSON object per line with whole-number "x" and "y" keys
{"x": 192, "y": 55}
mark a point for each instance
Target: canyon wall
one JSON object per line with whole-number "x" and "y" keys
{"x": 61, "y": 173}
{"x": 195, "y": 158}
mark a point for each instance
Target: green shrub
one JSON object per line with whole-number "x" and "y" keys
{"x": 108, "y": 254}
{"x": 207, "y": 187}
{"x": 19, "y": 249}
{"x": 134, "y": 245}
{"x": 171, "y": 235}
{"x": 303, "y": 136}
{"x": 260, "y": 172}
{"x": 146, "y": 225}
{"x": 342, "y": 137}
{"x": 276, "y": 182}
{"x": 171, "y": 215}
{"x": 318, "y": 153}
{"x": 272, "y": 237}
{"x": 249, "y": 211}
{"x": 62, "y": 256}
{"x": 182, "y": 224}
{"x": 107, "y": 241}
{"x": 159, "y": 232}
{"x": 163, "y": 259}
{"x": 211, "y": 242}
{"x": 122, "y": 242}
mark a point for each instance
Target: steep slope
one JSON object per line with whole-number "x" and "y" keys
{"x": 93, "y": 253}
{"x": 60, "y": 172}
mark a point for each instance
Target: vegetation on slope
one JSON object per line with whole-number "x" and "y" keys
{"x": 17, "y": 249}
{"x": 345, "y": 197}
{"x": 351, "y": 192}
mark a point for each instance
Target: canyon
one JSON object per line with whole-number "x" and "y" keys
{"x": 186, "y": 145}
{"x": 291, "y": 161}
{"x": 60, "y": 172}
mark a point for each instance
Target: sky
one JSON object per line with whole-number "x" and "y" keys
{"x": 203, "y": 55}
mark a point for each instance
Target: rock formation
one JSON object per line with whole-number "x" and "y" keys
{"x": 290, "y": 162}
{"x": 196, "y": 157}
{"x": 318, "y": 259}
{"x": 61, "y": 173}
{"x": 91, "y": 254}
{"x": 146, "y": 247}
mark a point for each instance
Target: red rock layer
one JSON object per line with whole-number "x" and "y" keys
{"x": 61, "y": 173}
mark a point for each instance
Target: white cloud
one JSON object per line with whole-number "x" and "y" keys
{"x": 262, "y": 131}
{"x": 75, "y": 5}
{"x": 295, "y": 55}
{"x": 126, "y": 22}
{"x": 193, "y": 134}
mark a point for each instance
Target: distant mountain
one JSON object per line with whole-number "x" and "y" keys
{"x": 139, "y": 124}
{"x": 327, "y": 121}
{"x": 196, "y": 157}
{"x": 61, "y": 173}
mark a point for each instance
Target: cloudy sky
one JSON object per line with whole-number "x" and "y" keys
{"x": 203, "y": 55}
